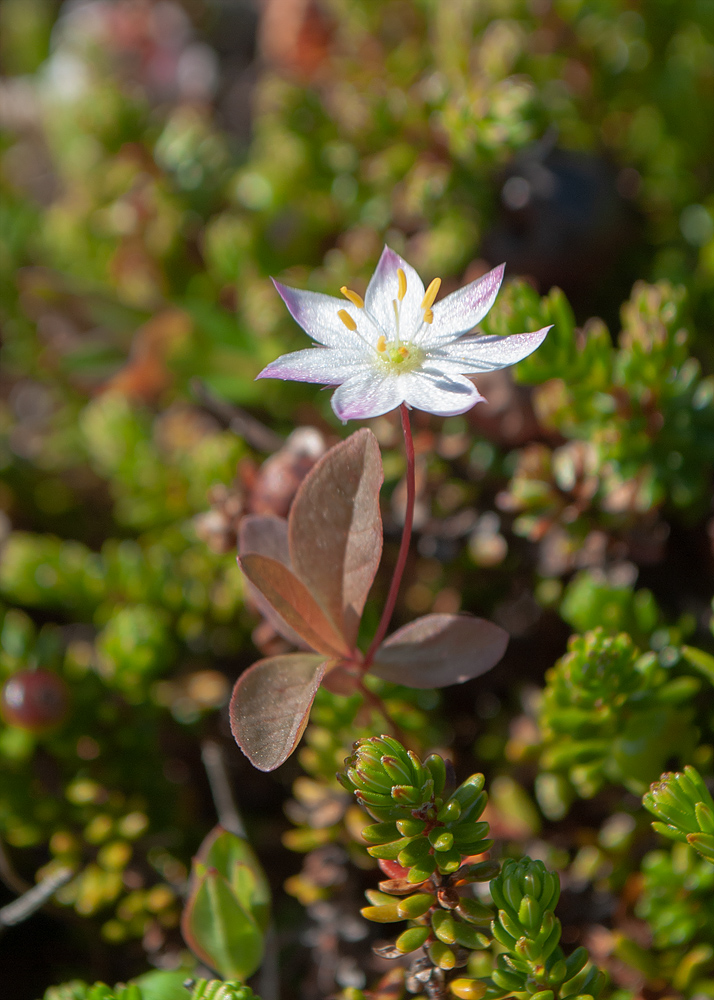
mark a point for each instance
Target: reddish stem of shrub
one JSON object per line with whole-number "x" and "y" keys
{"x": 404, "y": 546}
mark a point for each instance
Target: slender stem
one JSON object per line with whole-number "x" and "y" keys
{"x": 404, "y": 546}
{"x": 23, "y": 907}
{"x": 228, "y": 815}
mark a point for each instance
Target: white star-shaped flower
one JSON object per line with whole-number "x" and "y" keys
{"x": 399, "y": 345}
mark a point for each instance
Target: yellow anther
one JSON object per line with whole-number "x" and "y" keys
{"x": 354, "y": 298}
{"x": 381, "y": 343}
{"x": 430, "y": 295}
{"x": 347, "y": 319}
{"x": 402, "y": 284}
{"x": 403, "y": 351}
{"x": 428, "y": 316}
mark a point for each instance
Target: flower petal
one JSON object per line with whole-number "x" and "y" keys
{"x": 435, "y": 392}
{"x": 317, "y": 314}
{"x": 486, "y": 354}
{"x": 382, "y": 291}
{"x": 461, "y": 311}
{"x": 317, "y": 364}
{"x": 367, "y": 395}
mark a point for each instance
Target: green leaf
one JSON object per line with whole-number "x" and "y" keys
{"x": 219, "y": 931}
{"x": 162, "y": 986}
{"x": 384, "y": 914}
{"x": 235, "y": 860}
{"x": 703, "y": 843}
{"x": 703, "y": 662}
{"x": 412, "y": 938}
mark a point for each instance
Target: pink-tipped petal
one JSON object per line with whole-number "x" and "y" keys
{"x": 316, "y": 364}
{"x": 365, "y": 396}
{"x": 318, "y": 315}
{"x": 443, "y": 395}
{"x": 461, "y": 311}
{"x": 382, "y": 291}
{"x": 486, "y": 354}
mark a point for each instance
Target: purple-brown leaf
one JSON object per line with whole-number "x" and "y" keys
{"x": 335, "y": 529}
{"x": 439, "y": 650}
{"x": 271, "y": 705}
{"x": 266, "y": 535}
{"x": 294, "y": 603}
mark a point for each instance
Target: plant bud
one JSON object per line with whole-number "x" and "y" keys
{"x": 397, "y": 772}
{"x": 530, "y": 914}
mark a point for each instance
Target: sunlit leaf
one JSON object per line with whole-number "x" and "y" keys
{"x": 335, "y": 529}
{"x": 294, "y": 602}
{"x": 265, "y": 535}
{"x": 439, "y": 650}
{"x": 271, "y": 704}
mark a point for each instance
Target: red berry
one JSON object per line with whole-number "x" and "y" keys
{"x": 35, "y": 700}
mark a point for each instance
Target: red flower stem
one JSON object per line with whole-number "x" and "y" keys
{"x": 404, "y": 546}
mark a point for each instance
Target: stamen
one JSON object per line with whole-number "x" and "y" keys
{"x": 347, "y": 319}
{"x": 381, "y": 343}
{"x": 354, "y": 298}
{"x": 430, "y": 295}
{"x": 403, "y": 351}
{"x": 428, "y": 316}
{"x": 402, "y": 284}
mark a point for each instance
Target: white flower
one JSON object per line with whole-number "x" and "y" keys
{"x": 399, "y": 345}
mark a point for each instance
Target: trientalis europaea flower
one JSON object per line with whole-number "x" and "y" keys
{"x": 398, "y": 344}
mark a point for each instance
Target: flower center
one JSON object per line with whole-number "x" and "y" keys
{"x": 396, "y": 355}
{"x": 398, "y": 358}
